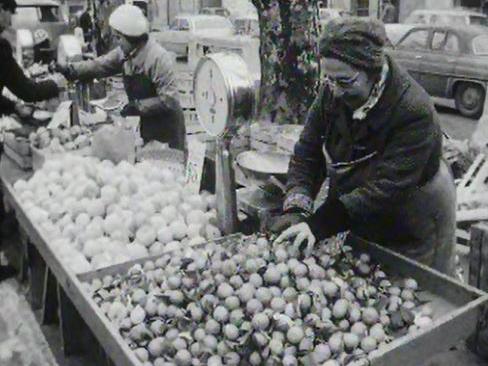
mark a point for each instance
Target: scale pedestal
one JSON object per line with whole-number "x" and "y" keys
{"x": 225, "y": 188}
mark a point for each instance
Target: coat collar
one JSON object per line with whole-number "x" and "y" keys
{"x": 397, "y": 84}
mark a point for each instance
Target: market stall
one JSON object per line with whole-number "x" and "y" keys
{"x": 135, "y": 254}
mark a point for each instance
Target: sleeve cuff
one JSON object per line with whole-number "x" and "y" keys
{"x": 300, "y": 201}
{"x": 331, "y": 218}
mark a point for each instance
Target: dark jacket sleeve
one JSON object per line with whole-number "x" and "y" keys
{"x": 7, "y": 106}
{"x": 160, "y": 67}
{"x": 13, "y": 78}
{"x": 103, "y": 66}
{"x": 307, "y": 165}
{"x": 411, "y": 144}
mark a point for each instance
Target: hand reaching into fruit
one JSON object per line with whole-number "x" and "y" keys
{"x": 23, "y": 110}
{"x": 302, "y": 233}
{"x": 283, "y": 222}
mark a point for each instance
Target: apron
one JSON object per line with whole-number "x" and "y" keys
{"x": 422, "y": 227}
{"x": 169, "y": 128}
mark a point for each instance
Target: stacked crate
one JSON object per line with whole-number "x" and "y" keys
{"x": 184, "y": 84}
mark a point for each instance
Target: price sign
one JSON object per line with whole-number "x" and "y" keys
{"x": 62, "y": 116}
{"x": 194, "y": 164}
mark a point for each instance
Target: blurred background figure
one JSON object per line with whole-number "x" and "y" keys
{"x": 42, "y": 47}
{"x": 86, "y": 23}
{"x": 388, "y": 13}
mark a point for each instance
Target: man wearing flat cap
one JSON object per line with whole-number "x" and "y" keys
{"x": 374, "y": 132}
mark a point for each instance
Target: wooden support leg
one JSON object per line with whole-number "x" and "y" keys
{"x": 71, "y": 325}
{"x": 478, "y": 277}
{"x": 24, "y": 262}
{"x": 50, "y": 298}
{"x": 36, "y": 278}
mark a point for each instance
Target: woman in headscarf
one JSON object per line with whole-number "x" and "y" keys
{"x": 374, "y": 132}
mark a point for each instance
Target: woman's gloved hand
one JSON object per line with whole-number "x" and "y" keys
{"x": 23, "y": 110}
{"x": 130, "y": 109}
{"x": 283, "y": 222}
{"x": 301, "y": 234}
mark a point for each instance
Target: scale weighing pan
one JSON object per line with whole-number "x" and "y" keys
{"x": 261, "y": 166}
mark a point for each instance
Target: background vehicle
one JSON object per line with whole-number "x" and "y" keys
{"x": 396, "y": 31}
{"x": 327, "y": 14}
{"x": 455, "y": 17}
{"x": 247, "y": 25}
{"x": 449, "y": 62}
{"x": 41, "y": 14}
{"x": 186, "y": 28}
{"x": 223, "y": 12}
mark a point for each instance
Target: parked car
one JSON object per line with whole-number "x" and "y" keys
{"x": 223, "y": 12}
{"x": 41, "y": 14}
{"x": 396, "y": 31}
{"x": 449, "y": 62}
{"x": 247, "y": 25}
{"x": 327, "y": 14}
{"x": 454, "y": 17}
{"x": 185, "y": 28}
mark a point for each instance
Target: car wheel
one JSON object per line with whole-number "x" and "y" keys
{"x": 470, "y": 98}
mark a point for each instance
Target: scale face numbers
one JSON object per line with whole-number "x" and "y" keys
{"x": 211, "y": 98}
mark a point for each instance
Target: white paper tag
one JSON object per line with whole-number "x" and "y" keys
{"x": 62, "y": 116}
{"x": 194, "y": 164}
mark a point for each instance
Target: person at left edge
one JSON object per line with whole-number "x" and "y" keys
{"x": 13, "y": 78}
{"x": 148, "y": 77}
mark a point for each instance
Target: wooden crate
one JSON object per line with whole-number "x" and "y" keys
{"x": 187, "y": 101}
{"x": 22, "y": 161}
{"x": 20, "y": 145}
{"x": 457, "y": 310}
{"x": 191, "y": 116}
{"x": 184, "y": 81}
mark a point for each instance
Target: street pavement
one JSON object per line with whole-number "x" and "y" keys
{"x": 452, "y": 123}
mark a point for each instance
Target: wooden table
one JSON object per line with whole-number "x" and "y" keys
{"x": 53, "y": 289}
{"x": 54, "y": 286}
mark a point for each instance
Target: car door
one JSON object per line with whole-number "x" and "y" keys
{"x": 411, "y": 50}
{"x": 439, "y": 65}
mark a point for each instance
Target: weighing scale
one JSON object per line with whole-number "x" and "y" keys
{"x": 225, "y": 97}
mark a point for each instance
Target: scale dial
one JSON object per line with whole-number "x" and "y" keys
{"x": 211, "y": 98}
{"x": 224, "y": 91}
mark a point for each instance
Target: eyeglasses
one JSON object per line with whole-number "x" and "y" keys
{"x": 343, "y": 82}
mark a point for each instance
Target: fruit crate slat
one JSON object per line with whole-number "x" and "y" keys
{"x": 459, "y": 323}
{"x": 23, "y": 162}
{"x": 124, "y": 267}
{"x": 111, "y": 340}
{"x": 457, "y": 308}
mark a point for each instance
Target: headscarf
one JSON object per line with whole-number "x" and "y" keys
{"x": 356, "y": 41}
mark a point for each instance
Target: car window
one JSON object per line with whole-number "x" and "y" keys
{"x": 415, "y": 40}
{"x": 452, "y": 44}
{"x": 438, "y": 40}
{"x": 24, "y": 15}
{"x": 49, "y": 14}
{"x": 478, "y": 20}
{"x": 480, "y": 45}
